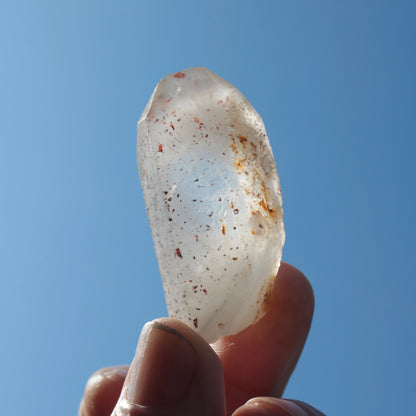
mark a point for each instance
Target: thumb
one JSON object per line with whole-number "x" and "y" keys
{"x": 174, "y": 372}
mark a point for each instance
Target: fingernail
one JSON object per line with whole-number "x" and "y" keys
{"x": 163, "y": 367}
{"x": 277, "y": 406}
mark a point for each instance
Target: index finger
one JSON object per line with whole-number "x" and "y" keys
{"x": 259, "y": 360}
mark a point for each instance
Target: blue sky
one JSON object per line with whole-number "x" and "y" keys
{"x": 335, "y": 85}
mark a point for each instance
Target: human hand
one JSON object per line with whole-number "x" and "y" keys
{"x": 175, "y": 372}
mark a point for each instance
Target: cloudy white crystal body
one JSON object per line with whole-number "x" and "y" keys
{"x": 213, "y": 200}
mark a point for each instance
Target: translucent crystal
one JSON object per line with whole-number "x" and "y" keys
{"x": 213, "y": 200}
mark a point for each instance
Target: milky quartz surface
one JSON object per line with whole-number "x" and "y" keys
{"x": 213, "y": 200}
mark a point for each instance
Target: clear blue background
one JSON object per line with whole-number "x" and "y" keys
{"x": 335, "y": 84}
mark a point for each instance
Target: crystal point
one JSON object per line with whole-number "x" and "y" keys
{"x": 213, "y": 200}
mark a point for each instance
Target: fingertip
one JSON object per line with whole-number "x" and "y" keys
{"x": 174, "y": 371}
{"x": 269, "y": 406}
{"x": 277, "y": 407}
{"x": 163, "y": 367}
{"x": 291, "y": 280}
{"x": 208, "y": 360}
{"x": 102, "y": 391}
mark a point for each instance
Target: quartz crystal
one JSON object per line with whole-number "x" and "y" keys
{"x": 213, "y": 200}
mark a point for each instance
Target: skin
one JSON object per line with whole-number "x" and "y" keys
{"x": 175, "y": 372}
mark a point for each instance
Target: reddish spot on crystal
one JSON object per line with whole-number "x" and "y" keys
{"x": 160, "y": 148}
{"x": 179, "y": 75}
{"x": 264, "y": 206}
{"x": 178, "y": 253}
{"x": 196, "y": 322}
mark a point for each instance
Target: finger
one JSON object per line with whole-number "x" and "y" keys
{"x": 102, "y": 391}
{"x": 174, "y": 372}
{"x": 259, "y": 360}
{"x": 268, "y": 406}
